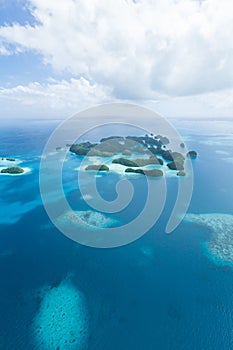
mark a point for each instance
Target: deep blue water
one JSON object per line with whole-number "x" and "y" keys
{"x": 159, "y": 292}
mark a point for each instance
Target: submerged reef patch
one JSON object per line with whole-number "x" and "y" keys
{"x": 62, "y": 320}
{"x": 220, "y": 247}
{"x": 89, "y": 219}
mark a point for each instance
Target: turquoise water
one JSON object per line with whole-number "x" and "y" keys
{"x": 160, "y": 292}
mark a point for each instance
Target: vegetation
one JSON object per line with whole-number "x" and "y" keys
{"x": 125, "y": 162}
{"x": 176, "y": 165}
{"x": 192, "y": 154}
{"x": 97, "y": 153}
{"x": 117, "y": 144}
{"x": 164, "y": 140}
{"x": 126, "y": 146}
{"x": 140, "y": 149}
{"x": 119, "y": 138}
{"x": 181, "y": 173}
{"x": 152, "y": 172}
{"x": 127, "y": 152}
{"x": 138, "y": 162}
{"x": 150, "y": 161}
{"x": 12, "y": 170}
{"x": 81, "y": 149}
{"x": 173, "y": 156}
{"x": 155, "y": 160}
{"x": 100, "y": 167}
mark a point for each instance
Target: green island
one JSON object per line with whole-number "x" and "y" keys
{"x": 12, "y": 170}
{"x": 181, "y": 173}
{"x": 152, "y": 172}
{"x": 153, "y": 147}
{"x": 138, "y": 162}
{"x": 101, "y": 167}
{"x": 192, "y": 154}
{"x": 9, "y": 159}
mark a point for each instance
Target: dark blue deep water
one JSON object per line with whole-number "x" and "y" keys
{"x": 159, "y": 292}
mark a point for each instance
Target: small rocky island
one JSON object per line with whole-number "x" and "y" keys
{"x": 101, "y": 167}
{"x": 12, "y": 170}
{"x": 152, "y": 151}
{"x": 9, "y": 159}
{"x": 192, "y": 154}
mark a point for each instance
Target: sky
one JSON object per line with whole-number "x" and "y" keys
{"x": 60, "y": 57}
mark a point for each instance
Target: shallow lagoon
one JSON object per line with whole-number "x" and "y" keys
{"x": 160, "y": 292}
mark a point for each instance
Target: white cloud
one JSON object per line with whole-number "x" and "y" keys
{"x": 138, "y": 49}
{"x": 58, "y": 98}
{"x": 67, "y": 97}
{"x": 218, "y": 104}
{"x": 178, "y": 53}
{"x": 4, "y": 51}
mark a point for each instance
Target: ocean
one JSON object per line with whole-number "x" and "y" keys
{"x": 163, "y": 291}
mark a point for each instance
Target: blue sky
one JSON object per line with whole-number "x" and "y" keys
{"x": 15, "y": 11}
{"x": 58, "y": 57}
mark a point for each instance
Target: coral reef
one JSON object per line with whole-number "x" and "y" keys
{"x": 89, "y": 219}
{"x": 220, "y": 247}
{"x": 62, "y": 320}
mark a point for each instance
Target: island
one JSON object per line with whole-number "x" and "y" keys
{"x": 181, "y": 173}
{"x": 139, "y": 154}
{"x": 152, "y": 172}
{"x": 138, "y": 162}
{"x": 12, "y": 170}
{"x": 192, "y": 154}
{"x": 176, "y": 165}
{"x": 96, "y": 167}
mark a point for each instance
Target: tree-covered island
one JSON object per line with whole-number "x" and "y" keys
{"x": 153, "y": 151}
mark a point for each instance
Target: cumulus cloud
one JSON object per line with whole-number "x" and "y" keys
{"x": 139, "y": 49}
{"x": 4, "y": 51}
{"x": 67, "y": 97}
{"x": 54, "y": 97}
